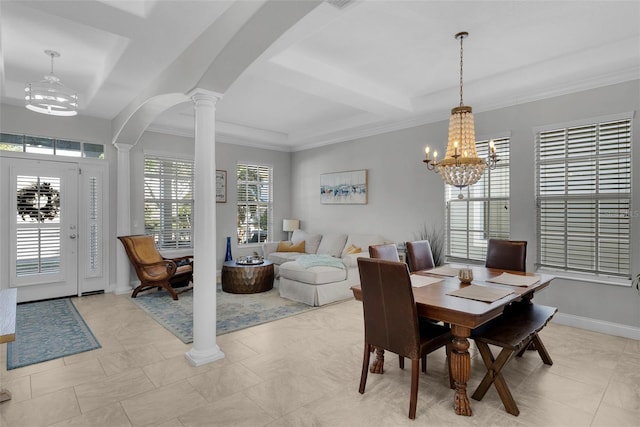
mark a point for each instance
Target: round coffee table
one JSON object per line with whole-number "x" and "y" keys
{"x": 247, "y": 279}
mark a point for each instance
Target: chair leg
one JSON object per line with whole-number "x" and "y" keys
{"x": 401, "y": 361}
{"x": 415, "y": 377}
{"x": 365, "y": 367}
{"x": 424, "y": 364}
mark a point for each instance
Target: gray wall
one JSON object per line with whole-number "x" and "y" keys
{"x": 227, "y": 157}
{"x": 403, "y": 196}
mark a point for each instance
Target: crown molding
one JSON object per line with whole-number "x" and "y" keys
{"x": 231, "y": 133}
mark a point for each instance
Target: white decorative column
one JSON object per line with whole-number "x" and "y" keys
{"x": 123, "y": 218}
{"x": 205, "y": 349}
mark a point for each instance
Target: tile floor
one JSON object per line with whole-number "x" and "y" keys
{"x": 304, "y": 371}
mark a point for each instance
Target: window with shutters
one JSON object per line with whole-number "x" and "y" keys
{"x": 255, "y": 203}
{"x": 483, "y": 212}
{"x": 168, "y": 201}
{"x": 583, "y": 177}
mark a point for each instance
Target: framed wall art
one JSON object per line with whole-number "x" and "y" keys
{"x": 221, "y": 186}
{"x": 344, "y": 188}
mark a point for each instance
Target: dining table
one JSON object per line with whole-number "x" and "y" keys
{"x": 435, "y": 302}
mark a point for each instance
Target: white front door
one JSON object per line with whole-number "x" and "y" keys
{"x": 44, "y": 229}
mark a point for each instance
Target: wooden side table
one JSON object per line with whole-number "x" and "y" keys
{"x": 247, "y": 279}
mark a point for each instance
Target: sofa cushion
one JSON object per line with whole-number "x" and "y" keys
{"x": 311, "y": 241}
{"x": 282, "y": 257}
{"x": 313, "y": 275}
{"x": 362, "y": 241}
{"x": 351, "y": 260}
{"x": 291, "y": 246}
{"x": 352, "y": 249}
{"x": 332, "y": 244}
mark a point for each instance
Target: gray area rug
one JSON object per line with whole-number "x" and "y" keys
{"x": 234, "y": 311}
{"x": 47, "y": 330}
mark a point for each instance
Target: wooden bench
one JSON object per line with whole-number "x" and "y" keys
{"x": 8, "y": 299}
{"x": 513, "y": 332}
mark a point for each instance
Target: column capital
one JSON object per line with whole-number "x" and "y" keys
{"x": 203, "y": 95}
{"x": 122, "y": 147}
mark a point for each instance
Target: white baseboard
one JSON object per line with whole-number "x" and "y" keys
{"x": 596, "y": 325}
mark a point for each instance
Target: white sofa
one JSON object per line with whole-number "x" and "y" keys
{"x": 320, "y": 284}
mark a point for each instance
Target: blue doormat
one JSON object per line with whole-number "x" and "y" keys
{"x": 47, "y": 330}
{"x": 234, "y": 311}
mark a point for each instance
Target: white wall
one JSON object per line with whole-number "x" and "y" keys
{"x": 403, "y": 196}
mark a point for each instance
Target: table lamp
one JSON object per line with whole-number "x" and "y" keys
{"x": 290, "y": 225}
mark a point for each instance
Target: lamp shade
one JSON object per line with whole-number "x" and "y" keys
{"x": 290, "y": 224}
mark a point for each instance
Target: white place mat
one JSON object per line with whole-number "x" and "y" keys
{"x": 417, "y": 281}
{"x": 481, "y": 293}
{"x": 514, "y": 279}
{"x": 444, "y": 270}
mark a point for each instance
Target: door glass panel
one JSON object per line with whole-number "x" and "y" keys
{"x": 38, "y": 230}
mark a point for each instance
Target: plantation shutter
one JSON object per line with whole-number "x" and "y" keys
{"x": 255, "y": 203}
{"x": 483, "y": 213}
{"x": 168, "y": 201}
{"x": 584, "y": 198}
{"x": 38, "y": 249}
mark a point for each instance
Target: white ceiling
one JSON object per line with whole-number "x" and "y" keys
{"x": 335, "y": 75}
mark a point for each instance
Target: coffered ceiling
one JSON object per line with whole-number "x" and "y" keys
{"x": 336, "y": 74}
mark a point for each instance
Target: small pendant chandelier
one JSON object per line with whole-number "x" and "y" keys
{"x": 461, "y": 165}
{"x": 49, "y": 96}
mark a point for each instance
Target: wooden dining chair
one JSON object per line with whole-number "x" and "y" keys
{"x": 507, "y": 254}
{"x": 419, "y": 255}
{"x": 391, "y": 319}
{"x": 155, "y": 271}
{"x": 388, "y": 251}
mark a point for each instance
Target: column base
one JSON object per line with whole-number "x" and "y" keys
{"x": 198, "y": 358}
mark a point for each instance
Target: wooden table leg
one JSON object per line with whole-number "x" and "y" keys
{"x": 377, "y": 366}
{"x": 461, "y": 368}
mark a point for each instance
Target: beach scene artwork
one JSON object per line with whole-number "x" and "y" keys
{"x": 344, "y": 188}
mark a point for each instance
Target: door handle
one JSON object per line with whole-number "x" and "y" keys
{"x": 72, "y": 236}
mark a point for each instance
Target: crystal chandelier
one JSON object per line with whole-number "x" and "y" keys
{"x": 49, "y": 96}
{"x": 461, "y": 165}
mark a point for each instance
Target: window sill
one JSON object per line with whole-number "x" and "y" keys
{"x": 591, "y": 278}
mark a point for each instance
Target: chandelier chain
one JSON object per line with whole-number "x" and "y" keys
{"x": 461, "y": 52}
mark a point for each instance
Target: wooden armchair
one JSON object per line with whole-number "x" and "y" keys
{"x": 153, "y": 270}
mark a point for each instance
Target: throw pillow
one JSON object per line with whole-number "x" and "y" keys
{"x": 353, "y": 249}
{"x": 290, "y": 247}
